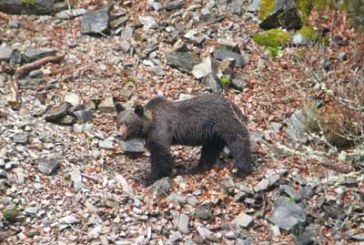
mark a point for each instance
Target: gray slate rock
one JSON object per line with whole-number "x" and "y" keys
{"x": 162, "y": 187}
{"x": 243, "y": 220}
{"x": 296, "y": 128}
{"x": 106, "y": 144}
{"x": 5, "y": 53}
{"x": 212, "y": 81}
{"x": 32, "y": 54}
{"x": 96, "y": 21}
{"x": 70, "y": 14}
{"x": 107, "y": 105}
{"x": 285, "y": 14}
{"x": 76, "y": 178}
{"x": 204, "y": 211}
{"x": 291, "y": 192}
{"x": 3, "y": 174}
{"x": 239, "y": 82}
{"x": 207, "y": 66}
{"x": 48, "y": 165}
{"x": 56, "y": 113}
{"x": 236, "y": 6}
{"x": 73, "y": 98}
{"x": 254, "y": 6}
{"x": 287, "y": 214}
{"x": 21, "y": 138}
{"x": 132, "y": 146}
{"x": 358, "y": 237}
{"x": 262, "y": 185}
{"x": 20, "y": 7}
{"x": 183, "y": 223}
{"x": 183, "y": 61}
{"x": 83, "y": 115}
{"x": 173, "y": 5}
{"x": 148, "y": 21}
{"x": 240, "y": 60}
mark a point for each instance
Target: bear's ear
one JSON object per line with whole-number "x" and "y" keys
{"x": 139, "y": 110}
{"x": 119, "y": 107}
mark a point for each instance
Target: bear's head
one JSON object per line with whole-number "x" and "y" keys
{"x": 131, "y": 123}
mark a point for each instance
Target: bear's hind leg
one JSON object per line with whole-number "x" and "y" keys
{"x": 209, "y": 155}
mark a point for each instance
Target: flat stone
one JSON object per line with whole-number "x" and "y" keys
{"x": 287, "y": 214}
{"x": 5, "y": 53}
{"x": 83, "y": 115}
{"x": 240, "y": 60}
{"x": 96, "y": 21}
{"x": 106, "y": 144}
{"x": 70, "y": 14}
{"x": 175, "y": 236}
{"x": 291, "y": 192}
{"x": 227, "y": 45}
{"x": 36, "y": 73}
{"x": 173, "y": 5}
{"x": 73, "y": 98}
{"x": 262, "y": 185}
{"x": 32, "y": 54}
{"x": 132, "y": 146}
{"x": 70, "y": 219}
{"x": 48, "y": 165}
{"x": 3, "y": 174}
{"x": 254, "y": 6}
{"x": 31, "y": 210}
{"x": 67, "y": 120}
{"x": 107, "y": 105}
{"x": 162, "y": 187}
{"x": 206, "y": 67}
{"x": 236, "y": 6}
{"x": 18, "y": 7}
{"x": 119, "y": 22}
{"x": 212, "y": 81}
{"x": 57, "y": 112}
{"x": 183, "y": 223}
{"x": 21, "y": 138}
{"x": 183, "y": 61}
{"x": 296, "y": 128}
{"x": 243, "y": 220}
{"x": 273, "y": 179}
{"x": 76, "y": 178}
{"x": 148, "y": 21}
{"x": 203, "y": 211}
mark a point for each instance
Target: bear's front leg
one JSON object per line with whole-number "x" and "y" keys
{"x": 161, "y": 160}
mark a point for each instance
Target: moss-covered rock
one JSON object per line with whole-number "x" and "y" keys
{"x": 273, "y": 40}
{"x": 306, "y": 35}
{"x": 266, "y": 7}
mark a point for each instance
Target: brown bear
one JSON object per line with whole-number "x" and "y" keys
{"x": 207, "y": 120}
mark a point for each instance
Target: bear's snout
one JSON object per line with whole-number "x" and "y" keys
{"x": 122, "y": 132}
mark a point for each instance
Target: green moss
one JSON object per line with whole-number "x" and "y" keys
{"x": 308, "y": 32}
{"x": 266, "y": 7}
{"x": 28, "y": 2}
{"x": 355, "y": 9}
{"x": 320, "y": 4}
{"x": 225, "y": 80}
{"x": 304, "y": 7}
{"x": 272, "y": 38}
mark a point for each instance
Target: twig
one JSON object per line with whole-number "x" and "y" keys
{"x": 89, "y": 177}
{"x": 14, "y": 98}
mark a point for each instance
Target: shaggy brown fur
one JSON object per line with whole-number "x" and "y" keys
{"x": 207, "y": 120}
